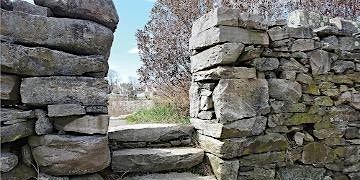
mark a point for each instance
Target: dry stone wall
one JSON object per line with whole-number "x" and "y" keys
{"x": 277, "y": 100}
{"x": 54, "y": 118}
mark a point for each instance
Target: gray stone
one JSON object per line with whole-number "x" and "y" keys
{"x": 326, "y": 31}
{"x": 344, "y": 26}
{"x": 236, "y": 147}
{"x": 87, "y": 177}
{"x": 26, "y": 7}
{"x": 349, "y": 43}
{"x": 236, "y": 99}
{"x": 263, "y": 159}
{"x": 64, "y": 90}
{"x": 100, "y": 11}
{"x": 26, "y": 155}
{"x": 225, "y": 73}
{"x": 222, "y": 34}
{"x": 303, "y": 18}
{"x": 330, "y": 43}
{"x": 250, "y": 52}
{"x": 292, "y": 65}
{"x": 299, "y": 172}
{"x": 7, "y": 5}
{"x": 289, "y": 75}
{"x": 194, "y": 98}
{"x": 284, "y": 90}
{"x": 224, "y": 54}
{"x": 13, "y": 116}
{"x": 42, "y": 124}
{"x": 84, "y": 124}
{"x": 149, "y": 132}
{"x": 304, "y": 78}
{"x": 62, "y": 155}
{"x": 43, "y": 176}
{"x": 70, "y": 35}
{"x": 278, "y": 33}
{"x": 17, "y": 131}
{"x": 286, "y": 106}
{"x": 206, "y": 115}
{"x": 252, "y": 21}
{"x": 300, "y": 32}
{"x": 172, "y": 176}
{"x": 258, "y": 173}
{"x": 59, "y": 110}
{"x": 320, "y": 62}
{"x": 20, "y": 172}
{"x": 206, "y": 103}
{"x": 240, "y": 128}
{"x": 96, "y": 109}
{"x": 155, "y": 160}
{"x": 9, "y": 89}
{"x": 40, "y": 61}
{"x": 304, "y": 45}
{"x": 8, "y": 161}
{"x": 223, "y": 169}
{"x": 342, "y": 66}
{"x": 299, "y": 138}
{"x": 317, "y": 153}
{"x": 265, "y": 64}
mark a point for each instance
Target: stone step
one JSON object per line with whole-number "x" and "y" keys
{"x": 149, "y": 132}
{"x": 172, "y": 176}
{"x": 155, "y": 160}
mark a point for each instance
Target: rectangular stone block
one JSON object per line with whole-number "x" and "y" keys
{"x": 26, "y": 7}
{"x": 86, "y": 124}
{"x": 10, "y": 87}
{"x": 40, "y": 91}
{"x": 225, "y": 73}
{"x": 13, "y": 116}
{"x": 17, "y": 131}
{"x": 223, "y": 169}
{"x": 59, "y": 110}
{"x": 222, "y": 34}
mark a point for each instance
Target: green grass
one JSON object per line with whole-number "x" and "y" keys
{"x": 157, "y": 114}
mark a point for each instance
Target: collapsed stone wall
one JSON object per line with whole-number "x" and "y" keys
{"x": 53, "y": 93}
{"x": 277, "y": 100}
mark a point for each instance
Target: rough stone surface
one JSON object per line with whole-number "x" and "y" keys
{"x": 87, "y": 177}
{"x": 64, "y": 90}
{"x": 43, "y": 176}
{"x": 86, "y": 124}
{"x": 42, "y": 124}
{"x": 40, "y": 61}
{"x": 265, "y": 64}
{"x": 9, "y": 89}
{"x": 344, "y": 26}
{"x": 297, "y": 172}
{"x": 304, "y": 45}
{"x": 154, "y": 160}
{"x": 320, "y": 62}
{"x": 241, "y": 98}
{"x": 284, "y": 90}
{"x": 62, "y": 155}
{"x": 223, "y": 169}
{"x": 26, "y": 7}
{"x": 20, "y": 172}
{"x": 8, "y": 161}
{"x": 149, "y": 132}
{"x": 96, "y": 109}
{"x": 317, "y": 153}
{"x": 302, "y": 18}
{"x": 27, "y": 155}
{"x": 342, "y": 66}
{"x": 7, "y": 5}
{"x": 173, "y": 176}
{"x": 225, "y": 73}
{"x": 13, "y": 116}
{"x": 16, "y": 131}
{"x": 59, "y": 110}
{"x": 75, "y": 36}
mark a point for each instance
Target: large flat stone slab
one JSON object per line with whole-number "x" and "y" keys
{"x": 155, "y": 160}
{"x": 236, "y": 99}
{"x": 69, "y": 35}
{"x": 172, "y": 176}
{"x": 13, "y": 116}
{"x": 10, "y": 86}
{"x": 29, "y": 8}
{"x": 86, "y": 124}
{"x": 100, "y": 11}
{"x": 39, "y": 61}
{"x": 149, "y": 132}
{"x": 64, "y": 90}
{"x": 62, "y": 155}
{"x": 17, "y": 131}
{"x": 225, "y": 73}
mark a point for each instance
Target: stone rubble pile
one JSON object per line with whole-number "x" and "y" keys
{"x": 277, "y": 100}
{"x": 54, "y": 118}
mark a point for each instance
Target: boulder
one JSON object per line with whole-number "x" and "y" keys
{"x": 40, "y": 61}
{"x": 9, "y": 89}
{"x": 100, "y": 11}
{"x": 20, "y": 172}
{"x": 284, "y": 90}
{"x": 8, "y": 161}
{"x": 42, "y": 124}
{"x": 13, "y": 116}
{"x": 222, "y": 34}
{"x": 69, "y": 35}
{"x": 64, "y": 90}
{"x": 236, "y": 99}
{"x": 84, "y": 124}
{"x": 26, "y": 7}
{"x": 223, "y": 169}
{"x": 224, "y": 54}
{"x": 17, "y": 131}
{"x": 155, "y": 160}
{"x": 302, "y": 18}
{"x": 60, "y": 110}
{"x": 225, "y": 73}
{"x": 62, "y": 155}
{"x": 300, "y": 172}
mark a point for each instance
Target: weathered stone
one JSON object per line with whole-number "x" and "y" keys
{"x": 235, "y": 147}
{"x": 299, "y": 138}
{"x": 288, "y": 75}
{"x": 75, "y": 36}
{"x": 349, "y": 78}
{"x": 224, "y": 54}
{"x": 299, "y": 172}
{"x": 258, "y": 173}
{"x": 40, "y": 61}
{"x": 64, "y": 90}
{"x": 278, "y": 33}
{"x": 9, "y": 89}
{"x": 344, "y": 26}
{"x": 17, "y": 131}
{"x": 320, "y": 62}
{"x": 87, "y": 177}
{"x": 223, "y": 170}
{"x": 304, "y": 45}
{"x": 206, "y": 115}
{"x": 7, "y": 5}
{"x": 8, "y": 161}
{"x": 20, "y": 172}
{"x": 224, "y": 34}
{"x": 250, "y": 52}
{"x": 252, "y": 21}
{"x": 263, "y": 159}
{"x": 327, "y": 133}
{"x": 342, "y": 113}
{"x": 96, "y": 109}
{"x": 101, "y": 11}
{"x": 284, "y": 90}
{"x": 154, "y": 160}
{"x": 26, "y": 7}
{"x": 240, "y": 128}
{"x": 225, "y": 73}
{"x": 293, "y": 119}
{"x": 317, "y": 153}
{"x": 70, "y": 155}
{"x": 206, "y": 103}
{"x": 13, "y": 116}
{"x": 194, "y": 98}
{"x": 323, "y": 101}
{"x": 342, "y": 66}
{"x": 330, "y": 43}
{"x": 304, "y": 78}
{"x": 240, "y": 98}
{"x": 59, "y": 110}
{"x": 302, "y": 18}
{"x": 265, "y": 64}
{"x": 326, "y": 31}
{"x": 172, "y": 176}
{"x": 86, "y": 124}
{"x": 292, "y": 65}
{"x": 285, "y": 106}
{"x": 43, "y": 176}
{"x": 26, "y": 155}
{"x": 349, "y": 43}
{"x": 42, "y": 124}
{"x": 149, "y": 132}
{"x": 300, "y": 32}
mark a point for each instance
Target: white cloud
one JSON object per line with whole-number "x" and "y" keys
{"x": 134, "y": 50}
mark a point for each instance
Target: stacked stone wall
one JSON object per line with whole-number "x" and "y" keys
{"x": 54, "y": 118}
{"x": 277, "y": 100}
